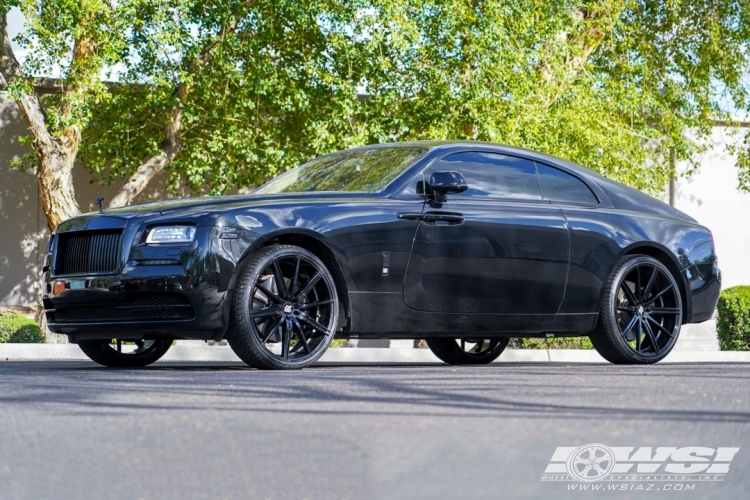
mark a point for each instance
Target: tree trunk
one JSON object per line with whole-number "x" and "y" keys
{"x": 56, "y": 191}
{"x": 55, "y": 155}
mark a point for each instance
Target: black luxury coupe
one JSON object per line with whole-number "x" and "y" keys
{"x": 463, "y": 244}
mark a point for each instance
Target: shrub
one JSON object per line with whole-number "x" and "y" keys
{"x": 556, "y": 343}
{"x": 733, "y": 324}
{"x": 19, "y": 328}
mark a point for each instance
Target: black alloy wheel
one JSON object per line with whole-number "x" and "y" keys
{"x": 285, "y": 309}
{"x": 467, "y": 351}
{"x": 118, "y": 353}
{"x": 641, "y": 312}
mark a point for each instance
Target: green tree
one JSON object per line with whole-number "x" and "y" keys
{"x": 611, "y": 84}
{"x": 254, "y": 108}
{"x": 229, "y": 93}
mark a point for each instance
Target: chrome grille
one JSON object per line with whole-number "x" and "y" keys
{"x": 88, "y": 252}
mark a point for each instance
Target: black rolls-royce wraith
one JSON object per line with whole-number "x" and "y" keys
{"x": 463, "y": 244}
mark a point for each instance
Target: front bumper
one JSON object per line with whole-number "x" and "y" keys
{"x": 142, "y": 301}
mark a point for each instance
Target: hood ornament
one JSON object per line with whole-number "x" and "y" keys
{"x": 99, "y": 201}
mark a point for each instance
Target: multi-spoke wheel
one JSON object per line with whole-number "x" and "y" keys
{"x": 118, "y": 353}
{"x": 641, "y": 312}
{"x": 285, "y": 309}
{"x": 467, "y": 351}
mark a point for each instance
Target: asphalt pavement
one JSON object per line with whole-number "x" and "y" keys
{"x": 71, "y": 429}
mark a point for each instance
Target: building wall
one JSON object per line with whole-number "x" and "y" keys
{"x": 711, "y": 197}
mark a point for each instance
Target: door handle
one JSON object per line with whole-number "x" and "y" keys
{"x": 411, "y": 215}
{"x": 443, "y": 217}
{"x": 433, "y": 217}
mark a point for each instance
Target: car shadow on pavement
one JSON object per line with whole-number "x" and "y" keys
{"x": 503, "y": 390}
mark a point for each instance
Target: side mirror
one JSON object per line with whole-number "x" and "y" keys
{"x": 443, "y": 183}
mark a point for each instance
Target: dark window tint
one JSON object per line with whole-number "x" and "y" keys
{"x": 491, "y": 175}
{"x": 557, "y": 186}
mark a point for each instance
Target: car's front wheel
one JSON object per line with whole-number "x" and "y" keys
{"x": 467, "y": 351}
{"x": 117, "y": 353}
{"x": 641, "y": 312}
{"x": 285, "y": 309}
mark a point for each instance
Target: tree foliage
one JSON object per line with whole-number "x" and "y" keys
{"x": 230, "y": 93}
{"x": 613, "y": 84}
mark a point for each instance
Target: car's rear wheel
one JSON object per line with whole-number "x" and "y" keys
{"x": 641, "y": 312}
{"x": 467, "y": 351}
{"x": 117, "y": 353}
{"x": 285, "y": 309}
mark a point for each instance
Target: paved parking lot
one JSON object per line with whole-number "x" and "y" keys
{"x": 75, "y": 430}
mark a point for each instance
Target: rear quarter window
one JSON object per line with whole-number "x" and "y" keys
{"x": 561, "y": 187}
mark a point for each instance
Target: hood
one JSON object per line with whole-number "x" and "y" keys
{"x": 207, "y": 207}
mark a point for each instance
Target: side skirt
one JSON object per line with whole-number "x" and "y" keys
{"x": 385, "y": 315}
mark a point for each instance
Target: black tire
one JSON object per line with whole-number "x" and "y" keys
{"x": 641, "y": 312}
{"x": 455, "y": 352}
{"x": 106, "y": 353}
{"x": 301, "y": 315}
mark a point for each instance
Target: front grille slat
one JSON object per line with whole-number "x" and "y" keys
{"x": 105, "y": 258}
{"x": 94, "y": 255}
{"x": 88, "y": 252}
{"x": 114, "y": 253}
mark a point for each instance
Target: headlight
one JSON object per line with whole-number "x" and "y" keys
{"x": 171, "y": 234}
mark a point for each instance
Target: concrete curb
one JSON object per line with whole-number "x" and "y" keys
{"x": 224, "y": 354}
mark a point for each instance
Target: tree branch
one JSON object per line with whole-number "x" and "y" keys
{"x": 172, "y": 144}
{"x": 29, "y": 102}
{"x": 170, "y": 148}
{"x": 83, "y": 49}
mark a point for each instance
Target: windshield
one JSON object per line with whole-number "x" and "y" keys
{"x": 365, "y": 170}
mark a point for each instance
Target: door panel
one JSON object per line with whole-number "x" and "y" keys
{"x": 374, "y": 243}
{"x": 504, "y": 258}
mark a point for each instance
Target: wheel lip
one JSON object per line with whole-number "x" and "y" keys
{"x": 100, "y": 351}
{"x": 157, "y": 343}
{"x": 327, "y": 277}
{"x": 499, "y": 345}
{"x": 449, "y": 351}
{"x": 620, "y": 279}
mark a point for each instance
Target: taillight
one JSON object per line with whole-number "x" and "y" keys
{"x": 713, "y": 243}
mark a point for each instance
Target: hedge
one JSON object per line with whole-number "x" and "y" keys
{"x": 19, "y": 328}
{"x": 733, "y": 324}
{"x": 554, "y": 343}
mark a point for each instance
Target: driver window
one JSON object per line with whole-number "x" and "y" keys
{"x": 489, "y": 175}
